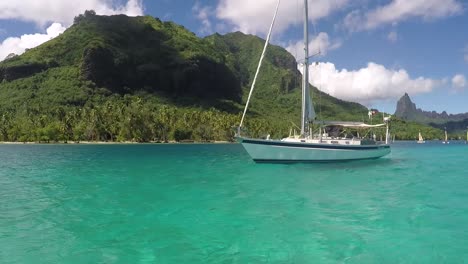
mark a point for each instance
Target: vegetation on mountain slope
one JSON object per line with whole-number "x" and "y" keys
{"x": 116, "y": 78}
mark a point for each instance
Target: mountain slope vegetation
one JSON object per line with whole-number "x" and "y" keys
{"x": 119, "y": 78}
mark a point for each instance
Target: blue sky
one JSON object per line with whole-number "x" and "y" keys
{"x": 372, "y": 51}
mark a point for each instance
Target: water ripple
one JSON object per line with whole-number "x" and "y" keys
{"x": 211, "y": 204}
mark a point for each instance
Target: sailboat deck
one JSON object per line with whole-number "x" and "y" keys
{"x": 331, "y": 141}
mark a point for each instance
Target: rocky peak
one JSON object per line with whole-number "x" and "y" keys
{"x": 405, "y": 107}
{"x": 407, "y": 110}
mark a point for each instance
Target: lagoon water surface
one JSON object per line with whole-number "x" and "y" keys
{"x": 209, "y": 203}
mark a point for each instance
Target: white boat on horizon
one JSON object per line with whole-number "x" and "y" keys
{"x": 312, "y": 146}
{"x": 446, "y": 138}
{"x": 420, "y": 139}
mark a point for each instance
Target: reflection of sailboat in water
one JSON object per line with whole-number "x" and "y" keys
{"x": 420, "y": 139}
{"x": 446, "y": 138}
{"x": 311, "y": 145}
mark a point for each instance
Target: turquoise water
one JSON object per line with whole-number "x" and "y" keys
{"x": 212, "y": 204}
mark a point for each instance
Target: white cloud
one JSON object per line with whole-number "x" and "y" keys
{"x": 46, "y": 11}
{"x": 353, "y": 21}
{"x": 18, "y": 45}
{"x": 203, "y": 13}
{"x": 459, "y": 82}
{"x": 369, "y": 84}
{"x": 62, "y": 12}
{"x": 254, "y": 17}
{"x": 320, "y": 43}
{"x": 392, "y": 36}
{"x": 400, "y": 10}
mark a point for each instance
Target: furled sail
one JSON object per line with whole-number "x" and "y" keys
{"x": 310, "y": 112}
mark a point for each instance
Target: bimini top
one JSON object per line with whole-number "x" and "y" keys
{"x": 350, "y": 124}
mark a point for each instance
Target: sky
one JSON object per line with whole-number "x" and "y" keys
{"x": 371, "y": 51}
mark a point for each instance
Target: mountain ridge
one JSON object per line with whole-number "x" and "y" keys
{"x": 407, "y": 110}
{"x": 160, "y": 80}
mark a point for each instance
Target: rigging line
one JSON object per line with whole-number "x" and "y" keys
{"x": 296, "y": 82}
{"x": 296, "y": 55}
{"x": 298, "y": 12}
{"x": 294, "y": 125}
{"x": 260, "y": 63}
{"x": 315, "y": 30}
{"x": 320, "y": 90}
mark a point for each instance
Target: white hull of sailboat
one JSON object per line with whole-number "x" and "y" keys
{"x": 280, "y": 151}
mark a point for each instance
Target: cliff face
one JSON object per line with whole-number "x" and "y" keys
{"x": 104, "y": 57}
{"x": 140, "y": 78}
{"x": 407, "y": 110}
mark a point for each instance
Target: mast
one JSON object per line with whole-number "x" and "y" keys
{"x": 305, "y": 73}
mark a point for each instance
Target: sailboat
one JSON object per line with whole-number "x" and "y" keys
{"x": 310, "y": 146}
{"x": 420, "y": 139}
{"x": 446, "y": 139}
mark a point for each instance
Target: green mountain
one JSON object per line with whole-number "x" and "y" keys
{"x": 123, "y": 54}
{"x": 277, "y": 92}
{"x": 142, "y": 79}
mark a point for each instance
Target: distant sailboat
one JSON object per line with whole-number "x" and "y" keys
{"x": 421, "y": 139}
{"x": 446, "y": 138}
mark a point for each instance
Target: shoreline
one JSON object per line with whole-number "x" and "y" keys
{"x": 112, "y": 142}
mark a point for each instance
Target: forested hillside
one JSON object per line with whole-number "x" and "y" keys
{"x": 119, "y": 78}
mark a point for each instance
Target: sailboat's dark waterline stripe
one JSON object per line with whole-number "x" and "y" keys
{"x": 312, "y": 145}
{"x": 309, "y": 161}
